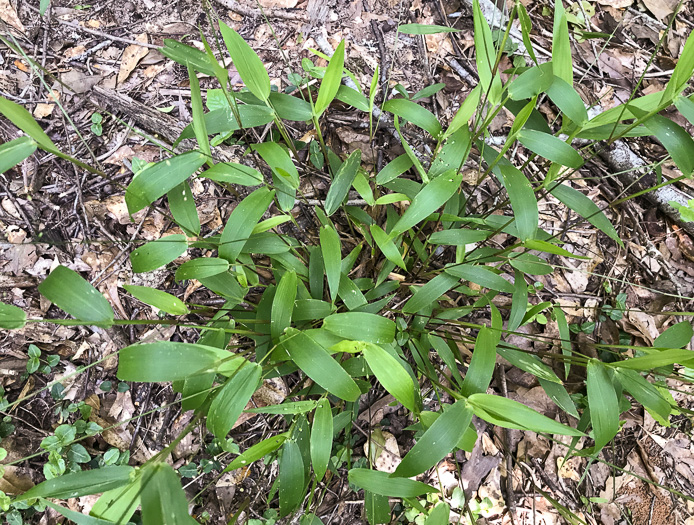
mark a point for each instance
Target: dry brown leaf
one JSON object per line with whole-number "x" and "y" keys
{"x": 16, "y": 480}
{"x": 661, "y": 9}
{"x": 617, "y": 4}
{"x": 382, "y": 450}
{"x": 9, "y": 15}
{"x": 282, "y": 4}
{"x": 43, "y": 110}
{"x": 131, "y": 57}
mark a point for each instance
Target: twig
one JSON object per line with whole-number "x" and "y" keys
{"x": 270, "y": 13}
{"x": 106, "y": 35}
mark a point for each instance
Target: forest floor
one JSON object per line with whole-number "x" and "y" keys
{"x": 124, "y": 98}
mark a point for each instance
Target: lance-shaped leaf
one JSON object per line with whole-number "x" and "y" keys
{"x": 250, "y": 67}
{"x": 332, "y": 258}
{"x": 550, "y": 147}
{"x": 242, "y": 221}
{"x": 15, "y": 151}
{"x": 677, "y": 336}
{"x": 321, "y": 438}
{"x": 283, "y": 304}
{"x": 522, "y": 201}
{"x": 481, "y": 369}
{"x": 156, "y": 180}
{"x": 414, "y": 113}
{"x": 438, "y": 441}
{"x": 342, "y": 182}
{"x": 387, "y": 246}
{"x": 159, "y": 299}
{"x": 12, "y": 317}
{"x": 603, "y": 403}
{"x": 228, "y": 404}
{"x": 391, "y": 374}
{"x": 201, "y": 267}
{"x": 361, "y": 326}
{"x": 166, "y": 361}
{"x": 21, "y": 118}
{"x": 331, "y": 81}
{"x": 645, "y": 393}
{"x": 182, "y": 206}
{"x": 481, "y": 275}
{"x": 76, "y": 484}
{"x": 291, "y": 477}
{"x": 71, "y": 293}
{"x": 163, "y": 499}
{"x": 425, "y": 29}
{"x": 256, "y": 452}
{"x": 317, "y": 363}
{"x": 428, "y": 200}
{"x": 381, "y": 483}
{"x": 158, "y": 253}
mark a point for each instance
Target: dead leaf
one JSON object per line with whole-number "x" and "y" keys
{"x": 617, "y": 4}
{"x": 382, "y": 450}
{"x": 15, "y": 481}
{"x": 661, "y": 9}
{"x": 43, "y": 110}
{"x": 282, "y": 4}
{"x": 131, "y": 57}
{"x": 9, "y": 15}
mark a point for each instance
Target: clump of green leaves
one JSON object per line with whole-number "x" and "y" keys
{"x": 342, "y": 332}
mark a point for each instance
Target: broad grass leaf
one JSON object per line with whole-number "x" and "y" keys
{"x": 520, "y": 301}
{"x": 201, "y": 267}
{"x": 425, "y": 29}
{"x": 288, "y": 107}
{"x": 523, "y": 201}
{"x": 332, "y": 258}
{"x": 230, "y": 401}
{"x": 12, "y": 317}
{"x": 119, "y": 504}
{"x": 394, "y": 169}
{"x": 224, "y": 120}
{"x": 250, "y": 67}
{"x": 342, "y": 182}
{"x": 508, "y": 413}
{"x": 233, "y": 173}
{"x": 188, "y": 56}
{"x": 682, "y": 73}
{"x": 182, "y": 206}
{"x": 677, "y": 336}
{"x": 158, "y": 298}
{"x": 21, "y": 118}
{"x": 285, "y": 176}
{"x": 677, "y": 141}
{"x": 561, "y": 46}
{"x": 532, "y": 82}
{"x": 414, "y": 113}
{"x": 387, "y": 246}
{"x": 156, "y": 180}
{"x": 350, "y": 293}
{"x": 565, "y": 337}
{"x": 198, "y": 114}
{"x": 158, "y": 253}
{"x": 438, "y": 441}
{"x": 381, "y": 483}
{"x": 567, "y": 99}
{"x": 528, "y": 363}
{"x": 331, "y": 81}
{"x": 242, "y": 221}
{"x": 376, "y": 508}
{"x": 71, "y": 293}
{"x": 165, "y": 361}
{"x": 446, "y": 354}
{"x": 163, "y": 499}
{"x": 289, "y": 408}
{"x": 391, "y": 374}
{"x": 317, "y": 363}
{"x": 76, "y": 484}
{"x": 481, "y": 370}
{"x": 686, "y": 107}
{"x": 645, "y": 393}
{"x": 550, "y": 147}
{"x": 548, "y": 247}
{"x": 321, "y": 438}
{"x": 361, "y": 326}
{"x": 430, "y": 292}
{"x": 256, "y": 452}
{"x": 459, "y": 236}
{"x": 311, "y": 309}
{"x": 74, "y": 516}
{"x": 586, "y": 208}
{"x": 291, "y": 477}
{"x": 428, "y": 200}
{"x": 15, "y": 151}
{"x": 480, "y": 275}
{"x": 603, "y": 404}
{"x": 283, "y": 305}
{"x": 440, "y": 515}
{"x": 465, "y": 112}
{"x": 353, "y": 98}
{"x": 485, "y": 55}
{"x": 656, "y": 359}
{"x": 558, "y": 394}
{"x": 526, "y": 28}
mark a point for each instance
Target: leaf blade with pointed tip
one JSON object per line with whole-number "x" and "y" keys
{"x": 12, "y": 317}
{"x": 321, "y": 438}
{"x": 316, "y": 362}
{"x": 523, "y": 202}
{"x": 159, "y": 299}
{"x": 242, "y": 221}
{"x": 331, "y": 81}
{"x": 163, "y": 499}
{"x": 283, "y": 305}
{"x": 15, "y": 151}
{"x": 332, "y": 258}
{"x": 391, "y": 374}
{"x": 228, "y": 404}
{"x": 71, "y": 293}
{"x": 158, "y": 253}
{"x": 247, "y": 63}
{"x": 342, "y": 182}
{"x": 78, "y": 484}
{"x": 361, "y": 326}
{"x": 381, "y": 483}
{"x": 603, "y": 403}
